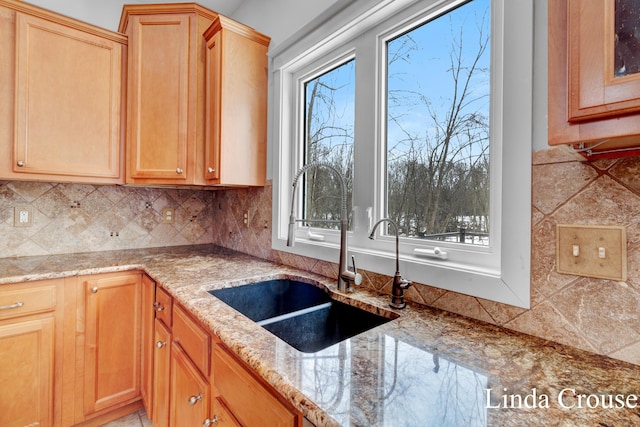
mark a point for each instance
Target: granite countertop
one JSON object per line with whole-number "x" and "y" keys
{"x": 425, "y": 368}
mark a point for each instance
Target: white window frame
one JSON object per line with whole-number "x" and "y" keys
{"x": 500, "y": 272}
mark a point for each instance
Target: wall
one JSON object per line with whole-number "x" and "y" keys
{"x": 70, "y": 218}
{"x": 596, "y": 315}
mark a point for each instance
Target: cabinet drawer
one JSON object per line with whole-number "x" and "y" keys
{"x": 246, "y": 397}
{"x": 193, "y": 339}
{"x": 24, "y": 300}
{"x": 162, "y": 306}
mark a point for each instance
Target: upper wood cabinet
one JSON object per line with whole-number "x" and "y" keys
{"x": 165, "y": 114}
{"x": 196, "y": 105}
{"x": 594, "y": 77}
{"x": 60, "y": 97}
{"x": 236, "y": 121}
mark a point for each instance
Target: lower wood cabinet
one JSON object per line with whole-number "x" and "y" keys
{"x": 222, "y": 416}
{"x": 27, "y": 353}
{"x": 161, "y": 374}
{"x": 112, "y": 341}
{"x": 198, "y": 381}
{"x": 147, "y": 333}
{"x": 248, "y": 399}
{"x": 86, "y": 350}
{"x": 189, "y": 391}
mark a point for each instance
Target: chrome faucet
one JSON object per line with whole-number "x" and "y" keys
{"x": 345, "y": 276}
{"x": 399, "y": 284}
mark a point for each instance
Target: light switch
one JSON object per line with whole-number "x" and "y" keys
{"x": 592, "y": 251}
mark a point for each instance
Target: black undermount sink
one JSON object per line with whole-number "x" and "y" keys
{"x": 301, "y": 314}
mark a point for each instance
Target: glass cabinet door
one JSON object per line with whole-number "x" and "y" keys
{"x": 604, "y": 59}
{"x": 627, "y": 37}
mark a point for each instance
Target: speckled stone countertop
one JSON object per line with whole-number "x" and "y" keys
{"x": 424, "y": 368}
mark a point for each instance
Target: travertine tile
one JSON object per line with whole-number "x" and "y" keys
{"x": 544, "y": 321}
{"x": 550, "y": 186}
{"x": 604, "y": 311}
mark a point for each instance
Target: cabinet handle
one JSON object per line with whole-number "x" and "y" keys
{"x": 210, "y": 170}
{"x": 195, "y": 399}
{"x": 161, "y": 344}
{"x": 179, "y": 171}
{"x": 10, "y": 306}
{"x": 208, "y": 421}
{"x": 158, "y": 306}
{"x": 20, "y": 163}
{"x": 94, "y": 290}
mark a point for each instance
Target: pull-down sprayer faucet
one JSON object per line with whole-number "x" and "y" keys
{"x": 399, "y": 284}
{"x": 345, "y": 276}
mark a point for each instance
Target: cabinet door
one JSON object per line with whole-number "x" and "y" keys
{"x": 236, "y": 117}
{"x": 222, "y": 417}
{"x": 587, "y": 106}
{"x": 604, "y": 74}
{"x": 214, "y": 100}
{"x": 247, "y": 397}
{"x": 160, "y": 68}
{"x": 112, "y": 341}
{"x": 26, "y": 352}
{"x": 147, "y": 331}
{"x": 161, "y": 372}
{"x": 189, "y": 391}
{"x": 68, "y": 103}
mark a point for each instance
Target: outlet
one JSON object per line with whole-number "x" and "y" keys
{"x": 245, "y": 219}
{"x": 592, "y": 251}
{"x": 168, "y": 215}
{"x": 22, "y": 216}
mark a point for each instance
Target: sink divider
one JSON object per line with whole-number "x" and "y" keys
{"x": 294, "y": 314}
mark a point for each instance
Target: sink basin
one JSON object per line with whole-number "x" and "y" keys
{"x": 268, "y": 299}
{"x": 323, "y": 326}
{"x": 302, "y": 315}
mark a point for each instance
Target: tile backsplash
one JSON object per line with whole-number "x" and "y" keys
{"x": 71, "y": 218}
{"x": 600, "y": 316}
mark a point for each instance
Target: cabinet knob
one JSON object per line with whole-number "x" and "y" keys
{"x": 20, "y": 163}
{"x": 161, "y": 344}
{"x": 210, "y": 170}
{"x": 94, "y": 290}
{"x": 179, "y": 171}
{"x": 195, "y": 399}
{"x": 208, "y": 421}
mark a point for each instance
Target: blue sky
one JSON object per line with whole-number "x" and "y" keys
{"x": 426, "y": 70}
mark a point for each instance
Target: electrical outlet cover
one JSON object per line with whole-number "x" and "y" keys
{"x": 22, "y": 216}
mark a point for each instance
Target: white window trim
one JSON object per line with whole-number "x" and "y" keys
{"x": 506, "y": 279}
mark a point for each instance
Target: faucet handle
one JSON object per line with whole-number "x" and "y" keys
{"x": 357, "y": 277}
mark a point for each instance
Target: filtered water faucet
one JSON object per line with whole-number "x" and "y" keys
{"x": 399, "y": 284}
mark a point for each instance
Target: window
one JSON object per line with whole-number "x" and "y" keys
{"x": 437, "y": 134}
{"x": 328, "y": 138}
{"x": 430, "y": 126}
